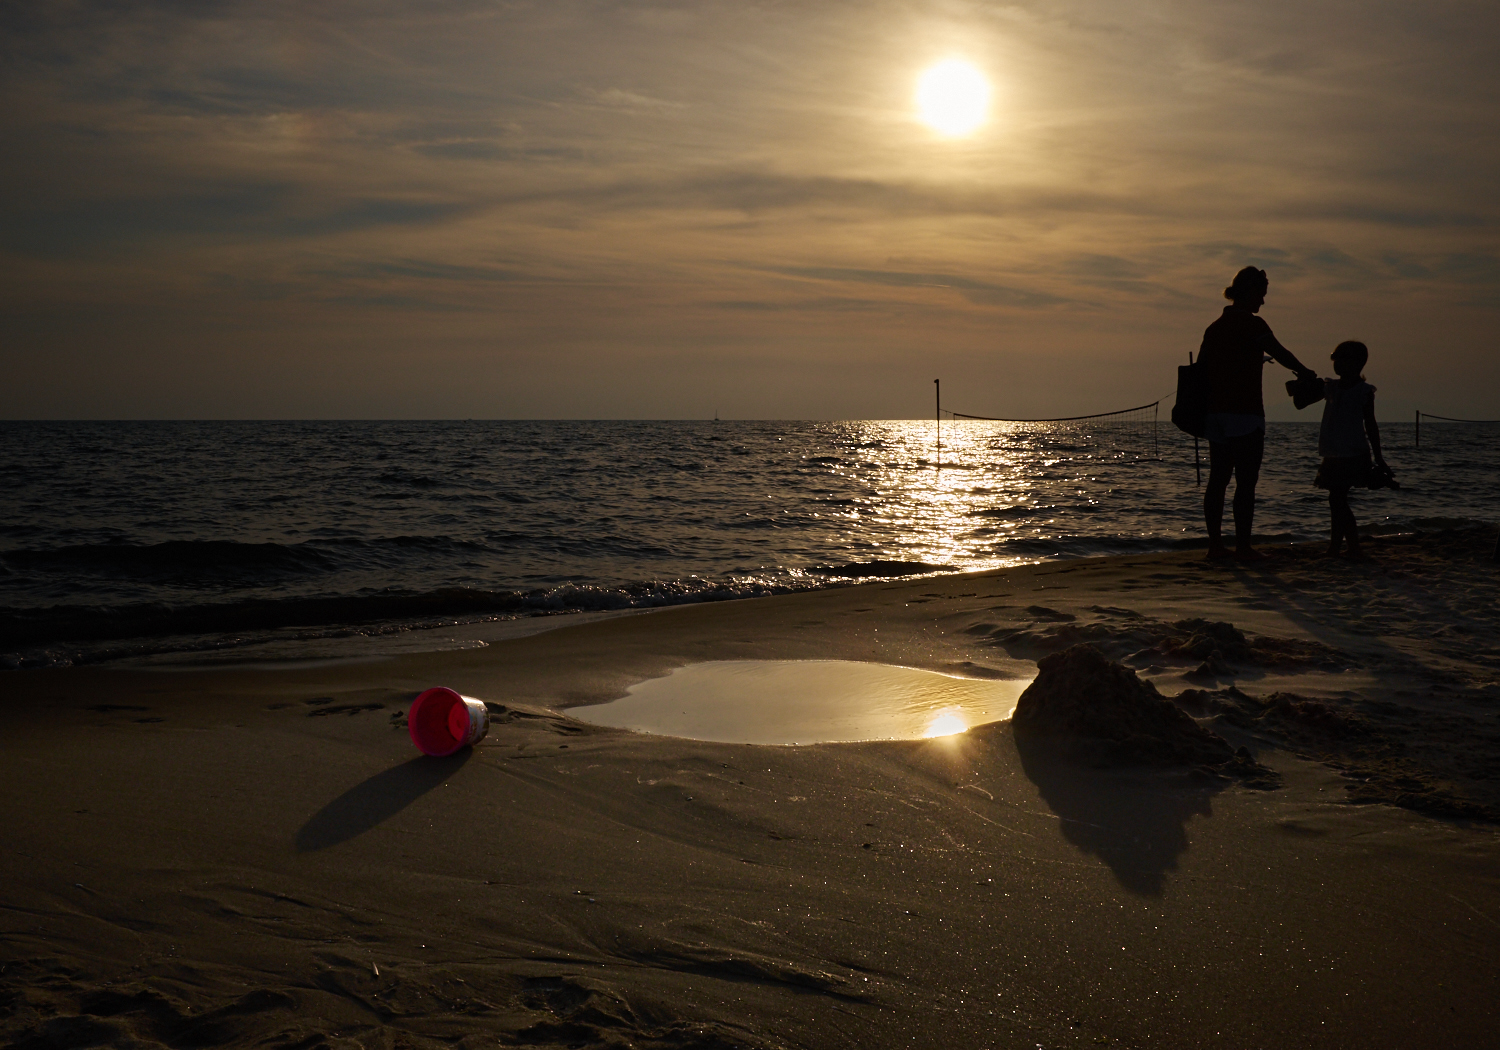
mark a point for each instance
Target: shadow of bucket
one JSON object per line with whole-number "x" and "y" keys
{"x": 441, "y": 721}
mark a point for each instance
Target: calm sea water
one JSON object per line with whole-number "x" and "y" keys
{"x": 132, "y": 540}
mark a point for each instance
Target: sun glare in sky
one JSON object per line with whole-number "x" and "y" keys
{"x": 953, "y": 97}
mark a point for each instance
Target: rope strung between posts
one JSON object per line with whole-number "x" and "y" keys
{"x": 1417, "y": 434}
{"x": 1450, "y": 419}
{"x": 1138, "y": 425}
{"x": 1059, "y": 419}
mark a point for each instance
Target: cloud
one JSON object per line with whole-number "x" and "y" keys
{"x": 983, "y": 293}
{"x": 1105, "y": 267}
{"x": 1411, "y": 214}
{"x": 471, "y": 149}
{"x": 621, "y": 99}
{"x": 401, "y": 302}
{"x": 259, "y": 212}
{"x": 421, "y": 269}
{"x": 811, "y": 305}
{"x": 1462, "y": 267}
{"x": 755, "y": 191}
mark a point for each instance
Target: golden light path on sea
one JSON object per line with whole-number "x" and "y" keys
{"x": 984, "y": 484}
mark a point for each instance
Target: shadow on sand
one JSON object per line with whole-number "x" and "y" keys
{"x": 1134, "y": 820}
{"x": 378, "y": 799}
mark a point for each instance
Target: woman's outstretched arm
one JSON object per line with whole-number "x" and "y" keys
{"x": 1284, "y": 357}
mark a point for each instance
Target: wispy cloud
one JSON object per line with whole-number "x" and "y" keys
{"x": 982, "y": 292}
{"x": 256, "y": 212}
{"x": 619, "y": 98}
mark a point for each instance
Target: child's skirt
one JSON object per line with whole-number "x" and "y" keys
{"x": 1352, "y": 472}
{"x": 1343, "y": 472}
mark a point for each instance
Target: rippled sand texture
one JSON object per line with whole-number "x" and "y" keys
{"x": 257, "y": 858}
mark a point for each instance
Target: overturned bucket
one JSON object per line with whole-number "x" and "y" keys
{"x": 440, "y": 721}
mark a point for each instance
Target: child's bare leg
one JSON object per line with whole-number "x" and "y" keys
{"x": 1353, "y": 551}
{"x": 1336, "y": 524}
{"x": 1345, "y": 528}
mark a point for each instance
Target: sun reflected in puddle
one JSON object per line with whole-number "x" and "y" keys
{"x": 947, "y": 724}
{"x": 806, "y": 702}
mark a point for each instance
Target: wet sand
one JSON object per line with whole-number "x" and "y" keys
{"x": 256, "y": 858}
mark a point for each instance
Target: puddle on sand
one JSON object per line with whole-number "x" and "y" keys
{"x": 805, "y": 702}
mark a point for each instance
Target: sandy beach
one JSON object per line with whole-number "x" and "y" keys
{"x": 258, "y": 857}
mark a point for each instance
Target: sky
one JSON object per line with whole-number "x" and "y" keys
{"x": 568, "y": 209}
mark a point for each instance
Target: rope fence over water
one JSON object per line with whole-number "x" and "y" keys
{"x": 1417, "y": 439}
{"x": 1129, "y": 429}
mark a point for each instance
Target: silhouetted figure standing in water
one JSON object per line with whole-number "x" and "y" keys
{"x": 1233, "y": 351}
{"x": 1346, "y": 439}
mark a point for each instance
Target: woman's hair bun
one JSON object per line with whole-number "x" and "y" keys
{"x": 1247, "y": 283}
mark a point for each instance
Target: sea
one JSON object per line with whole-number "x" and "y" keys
{"x": 193, "y": 543}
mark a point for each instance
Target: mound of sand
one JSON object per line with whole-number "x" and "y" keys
{"x": 1218, "y": 646}
{"x": 1082, "y": 695}
{"x": 1388, "y": 752}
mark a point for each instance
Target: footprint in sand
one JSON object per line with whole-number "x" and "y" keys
{"x": 344, "y": 709}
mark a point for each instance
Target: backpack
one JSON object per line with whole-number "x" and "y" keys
{"x": 1190, "y": 413}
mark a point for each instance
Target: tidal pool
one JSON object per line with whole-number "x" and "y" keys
{"x": 806, "y": 702}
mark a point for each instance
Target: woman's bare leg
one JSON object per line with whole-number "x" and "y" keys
{"x": 1220, "y": 470}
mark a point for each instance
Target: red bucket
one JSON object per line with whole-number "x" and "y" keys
{"x": 441, "y": 721}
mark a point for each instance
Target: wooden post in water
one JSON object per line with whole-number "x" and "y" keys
{"x": 1418, "y": 442}
{"x": 937, "y": 392}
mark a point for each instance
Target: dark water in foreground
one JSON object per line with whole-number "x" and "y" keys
{"x": 138, "y": 539}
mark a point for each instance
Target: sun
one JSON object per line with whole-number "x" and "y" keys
{"x": 953, "y": 97}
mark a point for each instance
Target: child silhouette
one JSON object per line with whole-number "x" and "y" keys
{"x": 1346, "y": 440}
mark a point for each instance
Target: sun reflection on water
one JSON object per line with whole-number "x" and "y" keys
{"x": 947, "y": 723}
{"x": 982, "y": 492}
{"x": 806, "y": 702}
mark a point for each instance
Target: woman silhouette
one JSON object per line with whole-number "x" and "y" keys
{"x": 1233, "y": 351}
